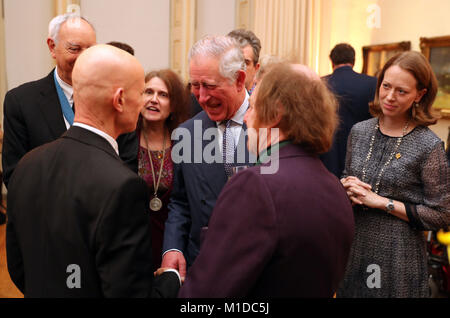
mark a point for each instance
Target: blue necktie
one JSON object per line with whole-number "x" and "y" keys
{"x": 228, "y": 148}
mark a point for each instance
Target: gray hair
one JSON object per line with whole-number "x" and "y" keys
{"x": 55, "y": 24}
{"x": 247, "y": 37}
{"x": 265, "y": 63}
{"x": 224, "y": 48}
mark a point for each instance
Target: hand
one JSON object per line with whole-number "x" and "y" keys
{"x": 361, "y": 193}
{"x": 175, "y": 260}
{"x": 161, "y": 270}
{"x": 356, "y": 189}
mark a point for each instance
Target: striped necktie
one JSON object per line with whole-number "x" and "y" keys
{"x": 228, "y": 148}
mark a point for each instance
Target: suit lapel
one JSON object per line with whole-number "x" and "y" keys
{"x": 51, "y": 108}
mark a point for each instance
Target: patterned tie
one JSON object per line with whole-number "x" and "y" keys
{"x": 228, "y": 148}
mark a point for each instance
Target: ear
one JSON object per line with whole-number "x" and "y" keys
{"x": 240, "y": 80}
{"x": 51, "y": 46}
{"x": 257, "y": 67}
{"x": 119, "y": 100}
{"x": 420, "y": 95}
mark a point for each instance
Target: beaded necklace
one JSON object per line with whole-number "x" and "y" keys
{"x": 369, "y": 155}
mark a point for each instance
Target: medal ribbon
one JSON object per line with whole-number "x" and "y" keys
{"x": 156, "y": 184}
{"x": 65, "y": 105}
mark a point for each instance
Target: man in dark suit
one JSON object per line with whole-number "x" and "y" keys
{"x": 218, "y": 82}
{"x": 354, "y": 92}
{"x": 38, "y": 112}
{"x": 285, "y": 232}
{"x": 77, "y": 215}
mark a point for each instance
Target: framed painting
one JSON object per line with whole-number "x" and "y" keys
{"x": 375, "y": 56}
{"x": 437, "y": 51}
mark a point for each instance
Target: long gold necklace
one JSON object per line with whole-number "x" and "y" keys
{"x": 155, "y": 202}
{"x": 394, "y": 152}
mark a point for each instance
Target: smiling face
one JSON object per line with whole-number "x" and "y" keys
{"x": 157, "y": 105}
{"x": 216, "y": 95}
{"x": 74, "y": 37}
{"x": 398, "y": 92}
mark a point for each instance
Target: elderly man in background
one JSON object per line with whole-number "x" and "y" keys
{"x": 217, "y": 77}
{"x": 251, "y": 47}
{"x": 38, "y": 112}
{"x": 90, "y": 235}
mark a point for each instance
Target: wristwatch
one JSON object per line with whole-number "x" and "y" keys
{"x": 390, "y": 206}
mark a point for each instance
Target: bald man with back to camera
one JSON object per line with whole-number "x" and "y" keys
{"x": 90, "y": 235}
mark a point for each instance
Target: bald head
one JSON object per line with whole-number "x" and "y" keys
{"x": 108, "y": 86}
{"x": 305, "y": 70}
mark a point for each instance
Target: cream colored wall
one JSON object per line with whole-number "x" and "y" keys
{"x": 401, "y": 20}
{"x": 406, "y": 20}
{"x": 215, "y": 17}
{"x": 343, "y": 21}
{"x": 143, "y": 24}
{"x": 26, "y": 29}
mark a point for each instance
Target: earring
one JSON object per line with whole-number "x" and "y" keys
{"x": 417, "y": 105}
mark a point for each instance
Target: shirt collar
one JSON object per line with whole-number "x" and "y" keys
{"x": 110, "y": 139}
{"x": 239, "y": 115}
{"x": 67, "y": 89}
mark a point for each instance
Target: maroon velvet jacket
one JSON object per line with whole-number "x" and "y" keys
{"x": 286, "y": 234}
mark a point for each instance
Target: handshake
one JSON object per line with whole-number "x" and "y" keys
{"x": 173, "y": 261}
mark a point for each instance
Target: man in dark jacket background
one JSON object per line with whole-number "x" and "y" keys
{"x": 354, "y": 92}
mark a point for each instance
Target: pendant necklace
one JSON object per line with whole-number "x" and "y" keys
{"x": 369, "y": 155}
{"x": 155, "y": 202}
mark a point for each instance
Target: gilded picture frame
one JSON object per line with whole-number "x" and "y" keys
{"x": 375, "y": 56}
{"x": 437, "y": 51}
